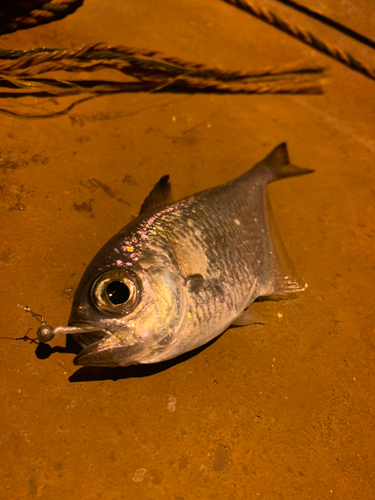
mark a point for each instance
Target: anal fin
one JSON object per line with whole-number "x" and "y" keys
{"x": 276, "y": 297}
{"x": 248, "y": 318}
{"x": 284, "y": 279}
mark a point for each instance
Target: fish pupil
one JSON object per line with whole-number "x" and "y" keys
{"x": 118, "y": 292}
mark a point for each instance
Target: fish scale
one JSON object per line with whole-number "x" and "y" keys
{"x": 229, "y": 260}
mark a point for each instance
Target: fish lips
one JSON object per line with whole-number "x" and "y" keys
{"x": 107, "y": 353}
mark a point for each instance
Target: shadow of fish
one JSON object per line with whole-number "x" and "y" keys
{"x": 182, "y": 272}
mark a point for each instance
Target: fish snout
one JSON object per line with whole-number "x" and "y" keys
{"x": 79, "y": 315}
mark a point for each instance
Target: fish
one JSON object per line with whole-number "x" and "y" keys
{"x": 183, "y": 272}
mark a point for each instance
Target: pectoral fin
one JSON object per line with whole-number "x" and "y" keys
{"x": 194, "y": 282}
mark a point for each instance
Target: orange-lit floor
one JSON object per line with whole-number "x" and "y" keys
{"x": 283, "y": 410}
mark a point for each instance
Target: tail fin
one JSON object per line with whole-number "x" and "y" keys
{"x": 276, "y": 165}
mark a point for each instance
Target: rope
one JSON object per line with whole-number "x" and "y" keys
{"x": 304, "y": 36}
{"x": 19, "y": 68}
{"x": 145, "y": 71}
{"x": 329, "y": 22}
{"x": 24, "y": 14}
{"x": 180, "y": 85}
{"x": 129, "y": 61}
{"x": 43, "y": 88}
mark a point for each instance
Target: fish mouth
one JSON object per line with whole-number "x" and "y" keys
{"x": 86, "y": 334}
{"x": 108, "y": 352}
{"x": 101, "y": 347}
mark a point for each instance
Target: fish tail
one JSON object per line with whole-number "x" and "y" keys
{"x": 277, "y": 165}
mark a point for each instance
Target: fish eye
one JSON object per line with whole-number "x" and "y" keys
{"x": 116, "y": 292}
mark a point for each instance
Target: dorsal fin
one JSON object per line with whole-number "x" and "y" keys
{"x": 277, "y": 165}
{"x": 160, "y": 195}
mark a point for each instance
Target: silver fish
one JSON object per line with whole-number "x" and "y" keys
{"x": 182, "y": 272}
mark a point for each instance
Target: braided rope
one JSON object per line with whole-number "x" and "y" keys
{"x": 249, "y": 88}
{"x": 305, "y": 36}
{"x": 329, "y": 22}
{"x": 127, "y": 60}
{"x": 21, "y": 14}
{"x": 181, "y": 84}
{"x": 176, "y": 85}
{"x": 19, "y": 71}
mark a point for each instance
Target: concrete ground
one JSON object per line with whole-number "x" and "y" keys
{"x": 283, "y": 410}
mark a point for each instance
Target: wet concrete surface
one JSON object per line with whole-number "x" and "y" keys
{"x": 283, "y": 410}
